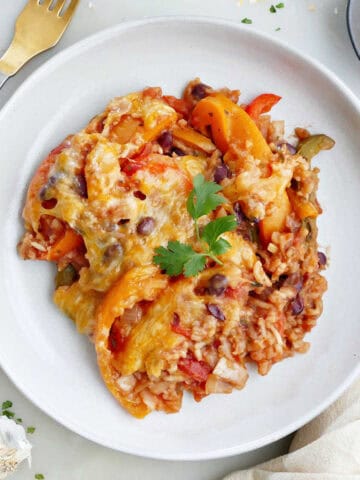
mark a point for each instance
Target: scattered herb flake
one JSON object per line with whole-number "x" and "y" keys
{"x": 246, "y": 20}
{"x": 272, "y": 9}
{"x": 277, "y": 29}
{"x": 8, "y": 413}
{"x": 39, "y": 476}
{"x": 280, "y": 5}
{"x": 18, "y": 420}
{"x": 30, "y": 430}
{"x": 6, "y": 405}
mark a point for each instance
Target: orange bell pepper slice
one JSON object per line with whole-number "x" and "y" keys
{"x": 139, "y": 283}
{"x": 68, "y": 242}
{"x": 229, "y": 123}
{"x": 262, "y": 104}
{"x": 194, "y": 139}
{"x": 303, "y": 208}
{"x": 276, "y": 221}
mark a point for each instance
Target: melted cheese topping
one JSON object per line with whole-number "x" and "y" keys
{"x": 100, "y": 184}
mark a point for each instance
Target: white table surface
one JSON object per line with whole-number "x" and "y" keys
{"x": 318, "y": 28}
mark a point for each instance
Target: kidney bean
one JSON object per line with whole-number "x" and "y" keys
{"x": 80, "y": 185}
{"x": 140, "y": 195}
{"x": 290, "y": 148}
{"x": 199, "y": 91}
{"x": 221, "y": 172}
{"x": 165, "y": 141}
{"x": 217, "y": 284}
{"x": 240, "y": 215}
{"x": 294, "y": 280}
{"x": 297, "y": 305}
{"x": 178, "y": 152}
{"x": 114, "y": 250}
{"x": 145, "y": 226}
{"x": 215, "y": 311}
{"x": 49, "y": 204}
{"x": 322, "y": 258}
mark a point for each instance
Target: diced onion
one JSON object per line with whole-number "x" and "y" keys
{"x": 126, "y": 383}
{"x": 214, "y": 384}
{"x": 231, "y": 372}
{"x": 132, "y": 315}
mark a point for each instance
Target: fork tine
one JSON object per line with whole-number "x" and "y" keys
{"x": 70, "y": 10}
{"x": 46, "y": 3}
{"x": 58, "y": 6}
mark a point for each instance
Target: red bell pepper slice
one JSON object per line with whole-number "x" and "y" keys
{"x": 262, "y": 104}
{"x": 197, "y": 370}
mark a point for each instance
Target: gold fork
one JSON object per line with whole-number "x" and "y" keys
{"x": 38, "y": 28}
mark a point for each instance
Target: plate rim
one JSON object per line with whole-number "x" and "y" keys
{"x": 96, "y": 39}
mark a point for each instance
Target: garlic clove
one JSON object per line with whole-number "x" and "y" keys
{"x": 14, "y": 446}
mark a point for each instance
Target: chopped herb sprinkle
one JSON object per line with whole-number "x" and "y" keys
{"x": 30, "y": 429}
{"x": 280, "y": 5}
{"x": 277, "y": 29}
{"x": 18, "y": 420}
{"x": 248, "y": 21}
{"x": 39, "y": 476}
{"x": 272, "y": 9}
{"x": 8, "y": 413}
{"x": 6, "y": 405}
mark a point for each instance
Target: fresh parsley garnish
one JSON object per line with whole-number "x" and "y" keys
{"x": 280, "y": 5}
{"x": 179, "y": 257}
{"x": 39, "y": 476}
{"x": 203, "y": 199}
{"x": 246, "y": 20}
{"x": 30, "y": 430}
{"x": 7, "y": 404}
{"x": 272, "y": 9}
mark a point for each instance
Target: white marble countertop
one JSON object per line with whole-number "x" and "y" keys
{"x": 316, "y": 27}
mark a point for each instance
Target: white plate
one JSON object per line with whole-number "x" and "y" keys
{"x": 353, "y": 23}
{"x": 40, "y": 349}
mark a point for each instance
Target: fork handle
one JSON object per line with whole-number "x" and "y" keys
{"x": 3, "y": 78}
{"x": 14, "y": 58}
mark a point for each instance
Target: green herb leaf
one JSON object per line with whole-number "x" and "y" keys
{"x": 179, "y": 257}
{"x": 220, "y": 246}
{"x": 18, "y": 420}
{"x": 173, "y": 258}
{"x": 203, "y": 198}
{"x": 30, "y": 430}
{"x": 272, "y": 9}
{"x": 277, "y": 29}
{"x": 6, "y": 405}
{"x": 280, "y": 5}
{"x": 8, "y": 413}
{"x": 194, "y": 265}
{"x": 214, "y": 229}
{"x": 248, "y": 21}
{"x": 39, "y": 476}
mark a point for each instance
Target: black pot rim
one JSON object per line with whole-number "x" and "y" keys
{"x": 348, "y": 23}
